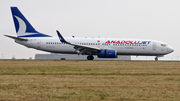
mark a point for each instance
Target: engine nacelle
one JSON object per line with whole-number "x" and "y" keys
{"x": 107, "y": 54}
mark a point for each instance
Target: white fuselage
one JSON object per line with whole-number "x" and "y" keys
{"x": 102, "y": 47}
{"x": 122, "y": 46}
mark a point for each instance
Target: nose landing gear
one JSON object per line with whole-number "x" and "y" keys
{"x": 156, "y": 58}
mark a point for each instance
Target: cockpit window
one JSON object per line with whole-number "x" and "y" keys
{"x": 163, "y": 45}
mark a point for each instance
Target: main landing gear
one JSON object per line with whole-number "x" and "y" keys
{"x": 156, "y": 58}
{"x": 90, "y": 57}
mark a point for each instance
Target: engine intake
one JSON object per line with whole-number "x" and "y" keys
{"x": 107, "y": 54}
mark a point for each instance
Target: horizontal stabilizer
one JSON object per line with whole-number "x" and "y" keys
{"x": 16, "y": 38}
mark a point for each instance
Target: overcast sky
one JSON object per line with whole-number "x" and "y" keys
{"x": 144, "y": 19}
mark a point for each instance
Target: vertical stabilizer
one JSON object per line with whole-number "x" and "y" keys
{"x": 22, "y": 25}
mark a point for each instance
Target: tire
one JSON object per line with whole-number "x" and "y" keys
{"x": 156, "y": 59}
{"x": 90, "y": 57}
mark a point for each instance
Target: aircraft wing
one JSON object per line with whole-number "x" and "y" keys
{"x": 81, "y": 48}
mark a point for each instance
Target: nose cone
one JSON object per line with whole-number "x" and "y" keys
{"x": 170, "y": 50}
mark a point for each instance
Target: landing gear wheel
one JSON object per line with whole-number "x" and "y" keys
{"x": 156, "y": 59}
{"x": 90, "y": 57}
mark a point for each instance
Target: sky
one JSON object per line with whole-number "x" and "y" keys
{"x": 142, "y": 19}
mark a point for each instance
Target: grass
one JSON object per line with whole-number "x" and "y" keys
{"x": 89, "y": 80}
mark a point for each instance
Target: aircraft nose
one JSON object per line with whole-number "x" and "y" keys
{"x": 170, "y": 50}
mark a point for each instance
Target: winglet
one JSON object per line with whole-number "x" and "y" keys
{"x": 61, "y": 37}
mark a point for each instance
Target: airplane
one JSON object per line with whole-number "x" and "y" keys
{"x": 102, "y": 47}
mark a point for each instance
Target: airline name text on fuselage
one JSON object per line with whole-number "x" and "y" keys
{"x": 127, "y": 42}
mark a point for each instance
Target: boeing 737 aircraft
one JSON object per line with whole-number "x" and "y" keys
{"x": 102, "y": 47}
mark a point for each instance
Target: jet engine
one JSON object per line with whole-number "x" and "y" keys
{"x": 107, "y": 54}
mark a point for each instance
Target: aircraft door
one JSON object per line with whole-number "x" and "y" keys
{"x": 154, "y": 46}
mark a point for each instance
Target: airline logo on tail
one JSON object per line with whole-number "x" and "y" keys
{"x": 22, "y": 25}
